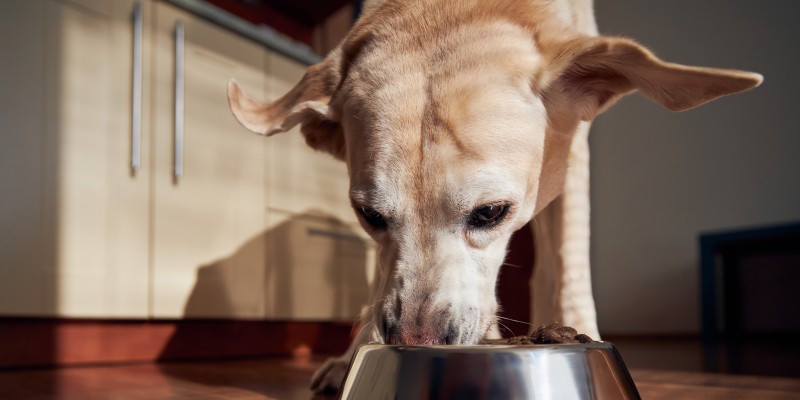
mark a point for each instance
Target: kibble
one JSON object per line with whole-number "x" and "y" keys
{"x": 552, "y": 334}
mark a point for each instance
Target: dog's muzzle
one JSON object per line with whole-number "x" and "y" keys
{"x": 432, "y": 325}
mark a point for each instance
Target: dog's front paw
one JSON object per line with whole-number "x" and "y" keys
{"x": 330, "y": 376}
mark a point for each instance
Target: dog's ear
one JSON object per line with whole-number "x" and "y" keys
{"x": 592, "y": 73}
{"x": 306, "y": 104}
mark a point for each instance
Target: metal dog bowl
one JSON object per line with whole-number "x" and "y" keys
{"x": 558, "y": 372}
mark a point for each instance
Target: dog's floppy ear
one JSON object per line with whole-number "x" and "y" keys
{"x": 306, "y": 104}
{"x": 591, "y": 73}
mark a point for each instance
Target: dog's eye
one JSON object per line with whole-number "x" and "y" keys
{"x": 488, "y": 216}
{"x": 373, "y": 218}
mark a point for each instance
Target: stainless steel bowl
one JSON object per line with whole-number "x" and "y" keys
{"x": 561, "y": 371}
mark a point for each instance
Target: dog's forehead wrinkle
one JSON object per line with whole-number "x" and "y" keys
{"x": 485, "y": 184}
{"x": 427, "y": 102}
{"x": 387, "y": 79}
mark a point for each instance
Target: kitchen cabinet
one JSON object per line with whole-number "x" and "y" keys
{"x": 193, "y": 216}
{"x": 318, "y": 268}
{"x": 74, "y": 217}
{"x": 202, "y": 217}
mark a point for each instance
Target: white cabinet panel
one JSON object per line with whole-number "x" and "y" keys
{"x": 318, "y": 268}
{"x": 80, "y": 213}
{"x": 97, "y": 210}
{"x": 202, "y": 220}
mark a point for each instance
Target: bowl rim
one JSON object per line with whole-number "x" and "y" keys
{"x": 487, "y": 346}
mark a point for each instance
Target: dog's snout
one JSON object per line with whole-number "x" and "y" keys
{"x": 416, "y": 324}
{"x": 418, "y": 335}
{"x": 431, "y": 324}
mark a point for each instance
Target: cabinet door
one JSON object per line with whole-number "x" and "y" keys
{"x": 91, "y": 256}
{"x": 318, "y": 268}
{"x": 302, "y": 180}
{"x": 208, "y": 224}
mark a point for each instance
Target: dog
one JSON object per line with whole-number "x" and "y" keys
{"x": 459, "y": 122}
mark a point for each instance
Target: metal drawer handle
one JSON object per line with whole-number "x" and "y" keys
{"x": 179, "y": 86}
{"x": 335, "y": 235}
{"x": 136, "y": 102}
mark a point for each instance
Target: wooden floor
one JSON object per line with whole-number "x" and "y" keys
{"x": 657, "y": 385}
{"x": 288, "y": 378}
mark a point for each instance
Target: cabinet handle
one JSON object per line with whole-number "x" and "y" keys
{"x": 335, "y": 235}
{"x": 136, "y": 103}
{"x": 179, "y": 86}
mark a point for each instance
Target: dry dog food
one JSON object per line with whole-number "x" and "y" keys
{"x": 552, "y": 334}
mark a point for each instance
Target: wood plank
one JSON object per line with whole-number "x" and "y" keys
{"x": 679, "y": 385}
{"x": 691, "y": 392}
{"x": 694, "y": 379}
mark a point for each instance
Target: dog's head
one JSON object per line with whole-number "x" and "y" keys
{"x": 456, "y": 131}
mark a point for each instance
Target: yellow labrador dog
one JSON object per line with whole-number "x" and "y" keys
{"x": 459, "y": 122}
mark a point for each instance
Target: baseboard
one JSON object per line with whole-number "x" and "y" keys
{"x": 32, "y": 342}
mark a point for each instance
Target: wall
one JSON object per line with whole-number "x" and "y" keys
{"x": 660, "y": 178}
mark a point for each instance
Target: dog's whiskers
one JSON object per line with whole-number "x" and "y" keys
{"x": 513, "y": 320}
{"x": 506, "y": 327}
{"x": 380, "y": 331}
{"x": 366, "y": 314}
{"x": 366, "y": 322}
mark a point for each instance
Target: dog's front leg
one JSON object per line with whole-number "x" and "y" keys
{"x": 561, "y": 286}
